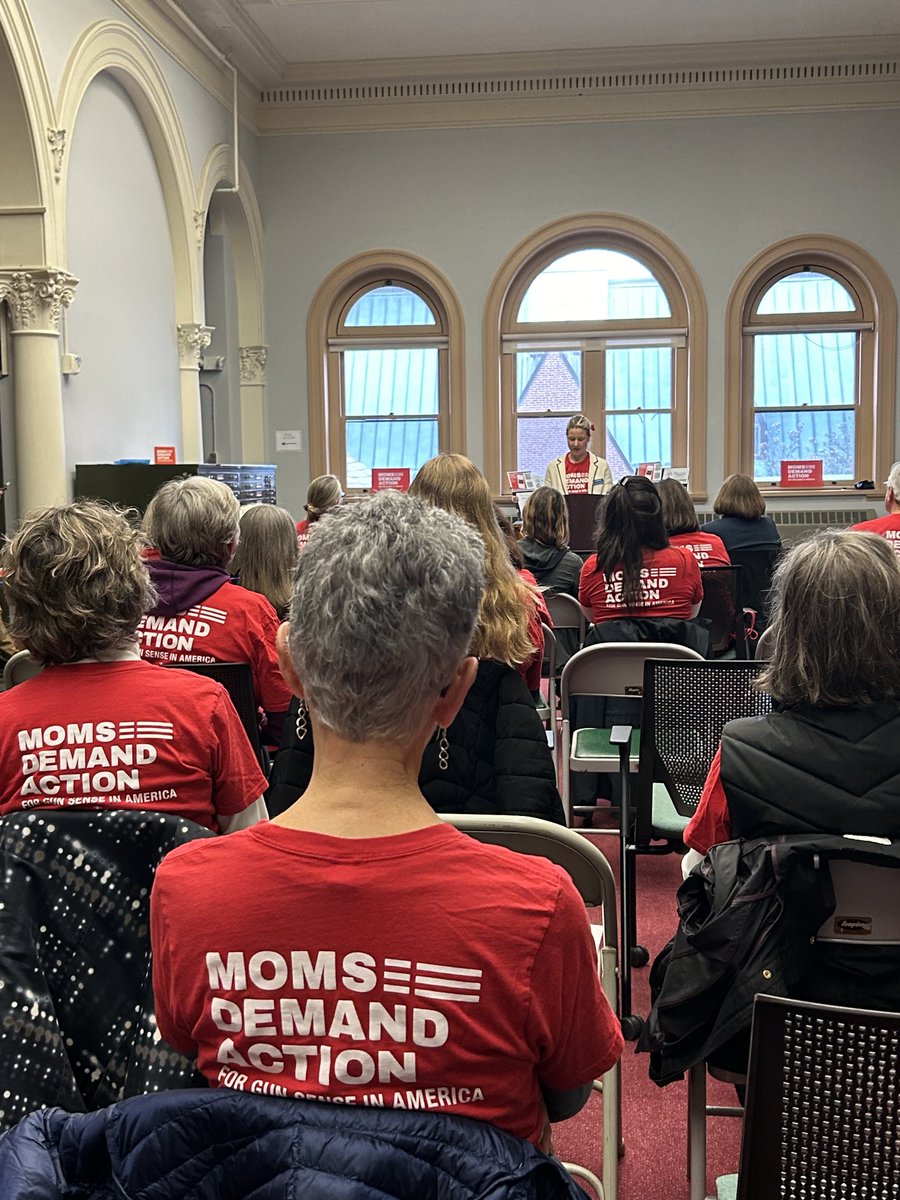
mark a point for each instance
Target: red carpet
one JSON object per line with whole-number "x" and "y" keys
{"x": 654, "y": 1120}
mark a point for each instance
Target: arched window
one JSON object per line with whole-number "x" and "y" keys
{"x": 811, "y": 364}
{"x": 600, "y": 315}
{"x": 385, "y": 357}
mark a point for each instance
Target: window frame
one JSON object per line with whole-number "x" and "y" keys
{"x": 328, "y": 337}
{"x": 686, "y": 325}
{"x": 874, "y": 321}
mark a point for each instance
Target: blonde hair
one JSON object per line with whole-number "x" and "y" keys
{"x": 454, "y": 483}
{"x": 739, "y": 497}
{"x": 323, "y": 493}
{"x": 580, "y": 421}
{"x": 266, "y": 558}
{"x": 77, "y": 582}
{"x": 194, "y": 521}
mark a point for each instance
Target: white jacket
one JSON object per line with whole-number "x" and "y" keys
{"x": 599, "y": 475}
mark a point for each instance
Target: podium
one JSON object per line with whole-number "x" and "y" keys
{"x": 584, "y": 513}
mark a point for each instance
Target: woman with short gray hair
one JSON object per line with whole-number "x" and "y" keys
{"x": 356, "y": 948}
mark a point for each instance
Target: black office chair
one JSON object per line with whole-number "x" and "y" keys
{"x": 723, "y": 608}
{"x": 823, "y": 1103}
{"x": 237, "y": 679}
{"x": 757, "y": 566}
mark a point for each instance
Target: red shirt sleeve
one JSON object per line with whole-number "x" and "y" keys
{"x": 576, "y": 1035}
{"x": 711, "y": 823}
{"x": 271, "y": 691}
{"x": 237, "y": 780}
{"x": 168, "y": 999}
{"x": 531, "y": 670}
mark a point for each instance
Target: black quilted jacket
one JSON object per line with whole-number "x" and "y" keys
{"x": 499, "y": 759}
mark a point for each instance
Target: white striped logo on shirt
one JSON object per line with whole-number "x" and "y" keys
{"x": 216, "y": 615}
{"x": 433, "y": 981}
{"x": 151, "y": 731}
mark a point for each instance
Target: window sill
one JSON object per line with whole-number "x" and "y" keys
{"x": 825, "y": 492}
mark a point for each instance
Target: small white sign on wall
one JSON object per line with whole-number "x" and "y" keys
{"x": 288, "y": 439}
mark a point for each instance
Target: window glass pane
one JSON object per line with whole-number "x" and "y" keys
{"x": 594, "y": 285}
{"x": 639, "y": 378}
{"x": 381, "y": 383}
{"x": 390, "y": 305}
{"x": 376, "y": 443}
{"x": 806, "y": 292}
{"x": 633, "y": 438}
{"x": 548, "y": 381}
{"x": 540, "y": 440}
{"x": 804, "y": 368}
{"x": 830, "y": 436}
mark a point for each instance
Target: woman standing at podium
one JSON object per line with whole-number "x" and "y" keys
{"x": 579, "y": 472}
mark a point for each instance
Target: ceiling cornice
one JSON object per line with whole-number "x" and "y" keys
{"x": 592, "y": 61}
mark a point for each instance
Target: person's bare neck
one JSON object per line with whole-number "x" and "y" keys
{"x": 361, "y": 790}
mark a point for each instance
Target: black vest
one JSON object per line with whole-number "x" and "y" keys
{"x": 807, "y": 770}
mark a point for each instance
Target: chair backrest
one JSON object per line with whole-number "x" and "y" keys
{"x": 237, "y": 679}
{"x": 764, "y": 644}
{"x": 686, "y": 705}
{"x": 823, "y": 1103}
{"x": 723, "y": 607}
{"x": 580, "y": 859}
{"x": 614, "y": 669}
{"x": 567, "y": 613}
{"x": 19, "y": 667}
{"x": 757, "y": 566}
{"x": 548, "y": 665}
{"x": 867, "y": 904}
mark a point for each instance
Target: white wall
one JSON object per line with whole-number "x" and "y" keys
{"x": 721, "y": 188}
{"x": 126, "y": 399}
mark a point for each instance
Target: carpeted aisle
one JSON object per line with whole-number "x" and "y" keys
{"x": 654, "y": 1119}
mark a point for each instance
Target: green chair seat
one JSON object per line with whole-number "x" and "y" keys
{"x": 594, "y": 744}
{"x": 667, "y": 822}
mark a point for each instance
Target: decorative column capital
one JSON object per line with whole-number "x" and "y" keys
{"x": 36, "y": 297}
{"x": 57, "y": 140}
{"x": 199, "y": 226}
{"x": 253, "y": 363}
{"x": 193, "y": 339}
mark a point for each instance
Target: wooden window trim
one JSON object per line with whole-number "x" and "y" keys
{"x": 682, "y": 286}
{"x": 325, "y": 335}
{"x": 876, "y": 321}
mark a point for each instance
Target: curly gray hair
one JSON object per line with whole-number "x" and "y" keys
{"x": 383, "y": 613}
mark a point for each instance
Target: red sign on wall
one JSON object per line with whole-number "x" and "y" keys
{"x": 801, "y": 472}
{"x": 390, "y": 479}
{"x": 164, "y": 454}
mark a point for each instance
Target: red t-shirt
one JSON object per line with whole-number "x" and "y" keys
{"x": 887, "y": 527}
{"x": 670, "y": 587}
{"x": 577, "y": 475}
{"x": 232, "y": 625}
{"x": 419, "y": 971}
{"x": 711, "y": 823}
{"x": 708, "y": 549}
{"x": 122, "y": 735}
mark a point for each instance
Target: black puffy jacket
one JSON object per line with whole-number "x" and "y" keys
{"x": 500, "y": 763}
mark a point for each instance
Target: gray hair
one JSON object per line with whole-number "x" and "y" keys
{"x": 893, "y": 480}
{"x": 383, "y": 613}
{"x": 835, "y": 623}
{"x": 195, "y": 521}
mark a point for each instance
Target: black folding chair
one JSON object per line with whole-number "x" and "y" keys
{"x": 237, "y": 679}
{"x": 723, "y": 608}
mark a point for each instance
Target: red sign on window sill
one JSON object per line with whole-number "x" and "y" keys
{"x": 390, "y": 479}
{"x": 164, "y": 454}
{"x": 801, "y": 472}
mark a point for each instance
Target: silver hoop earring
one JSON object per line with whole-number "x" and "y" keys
{"x": 302, "y": 726}
{"x": 443, "y": 749}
